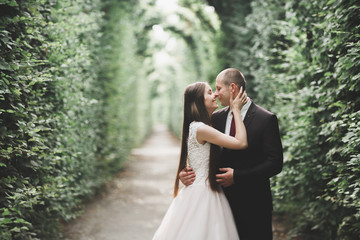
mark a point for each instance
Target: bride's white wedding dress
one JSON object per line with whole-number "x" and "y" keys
{"x": 198, "y": 213}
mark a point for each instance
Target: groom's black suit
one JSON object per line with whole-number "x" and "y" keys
{"x": 250, "y": 195}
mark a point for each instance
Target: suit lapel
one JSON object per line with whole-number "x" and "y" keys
{"x": 250, "y": 114}
{"x": 223, "y": 120}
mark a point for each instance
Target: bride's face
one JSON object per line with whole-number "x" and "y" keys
{"x": 210, "y": 100}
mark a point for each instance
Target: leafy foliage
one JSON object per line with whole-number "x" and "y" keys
{"x": 185, "y": 53}
{"x": 233, "y": 45}
{"x": 127, "y": 105}
{"x": 56, "y": 128}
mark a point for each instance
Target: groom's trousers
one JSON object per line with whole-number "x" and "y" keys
{"x": 253, "y": 223}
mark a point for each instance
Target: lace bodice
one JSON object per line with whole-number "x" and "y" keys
{"x": 198, "y": 154}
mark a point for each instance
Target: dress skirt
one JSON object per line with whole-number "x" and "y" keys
{"x": 198, "y": 213}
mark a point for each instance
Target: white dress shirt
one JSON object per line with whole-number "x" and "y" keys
{"x": 243, "y": 112}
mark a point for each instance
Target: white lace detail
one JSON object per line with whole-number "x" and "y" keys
{"x": 198, "y": 154}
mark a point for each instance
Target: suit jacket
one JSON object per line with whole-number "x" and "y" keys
{"x": 255, "y": 165}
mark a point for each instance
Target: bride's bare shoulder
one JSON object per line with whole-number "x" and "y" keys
{"x": 205, "y": 129}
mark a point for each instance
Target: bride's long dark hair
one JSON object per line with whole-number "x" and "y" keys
{"x": 195, "y": 110}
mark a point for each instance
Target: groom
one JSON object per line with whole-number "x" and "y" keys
{"x": 246, "y": 173}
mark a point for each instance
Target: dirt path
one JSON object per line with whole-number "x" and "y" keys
{"x": 137, "y": 199}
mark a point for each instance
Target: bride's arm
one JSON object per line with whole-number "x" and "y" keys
{"x": 206, "y": 133}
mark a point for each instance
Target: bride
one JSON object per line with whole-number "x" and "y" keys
{"x": 200, "y": 211}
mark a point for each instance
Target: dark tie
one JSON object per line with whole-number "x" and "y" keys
{"x": 232, "y": 128}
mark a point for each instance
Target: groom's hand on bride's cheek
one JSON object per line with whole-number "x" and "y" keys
{"x": 225, "y": 179}
{"x": 187, "y": 176}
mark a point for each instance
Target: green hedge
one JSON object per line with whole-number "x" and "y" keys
{"x": 58, "y": 111}
{"x": 320, "y": 182}
{"x": 127, "y": 101}
{"x": 302, "y": 63}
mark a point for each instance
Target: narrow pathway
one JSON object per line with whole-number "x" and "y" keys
{"x": 137, "y": 199}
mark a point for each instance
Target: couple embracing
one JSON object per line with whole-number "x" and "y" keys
{"x": 227, "y": 158}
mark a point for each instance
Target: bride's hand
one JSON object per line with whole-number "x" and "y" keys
{"x": 240, "y": 100}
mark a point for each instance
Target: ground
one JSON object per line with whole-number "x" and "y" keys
{"x": 133, "y": 204}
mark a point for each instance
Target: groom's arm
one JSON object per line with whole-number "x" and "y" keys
{"x": 187, "y": 176}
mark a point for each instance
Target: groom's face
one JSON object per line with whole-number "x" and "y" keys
{"x": 222, "y": 92}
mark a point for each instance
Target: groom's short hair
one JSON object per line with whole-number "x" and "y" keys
{"x": 232, "y": 75}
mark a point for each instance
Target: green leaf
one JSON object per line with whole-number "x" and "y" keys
{"x": 6, "y": 212}
{"x": 15, "y": 229}
{"x": 4, "y": 221}
{"x": 5, "y": 66}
